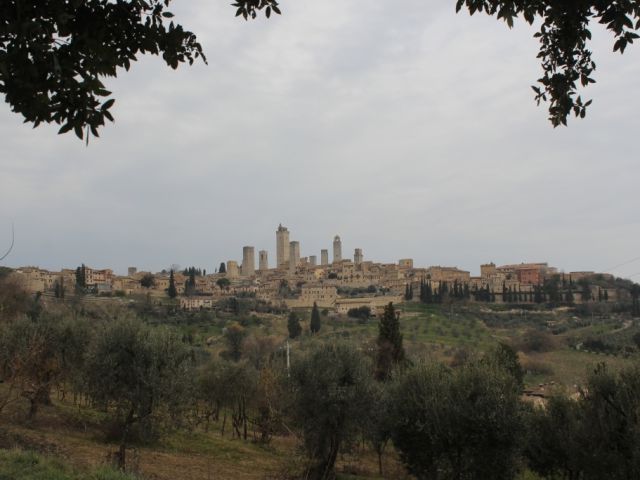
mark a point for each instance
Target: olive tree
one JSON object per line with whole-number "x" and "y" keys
{"x": 457, "y": 423}
{"x": 332, "y": 389}
{"x": 38, "y": 355}
{"x": 135, "y": 371}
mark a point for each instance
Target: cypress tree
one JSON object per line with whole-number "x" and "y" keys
{"x": 585, "y": 292}
{"x": 635, "y": 300}
{"x": 172, "y": 291}
{"x": 223, "y": 268}
{"x": 569, "y": 297}
{"x": 293, "y": 325}
{"x": 390, "y": 349}
{"x": 314, "y": 325}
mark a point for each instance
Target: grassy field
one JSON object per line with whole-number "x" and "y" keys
{"x": 24, "y": 465}
{"x": 440, "y": 332}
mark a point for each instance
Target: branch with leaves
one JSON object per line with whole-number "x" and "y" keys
{"x": 54, "y": 55}
{"x": 563, "y": 35}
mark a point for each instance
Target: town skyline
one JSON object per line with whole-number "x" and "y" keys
{"x": 278, "y": 255}
{"x": 372, "y": 125}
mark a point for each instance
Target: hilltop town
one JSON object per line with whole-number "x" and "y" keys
{"x": 339, "y": 283}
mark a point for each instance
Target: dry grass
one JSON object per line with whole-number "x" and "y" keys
{"x": 71, "y": 434}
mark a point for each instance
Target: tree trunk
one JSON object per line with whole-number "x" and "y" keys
{"x": 325, "y": 469}
{"x": 122, "y": 451}
{"x": 33, "y": 407}
{"x": 224, "y": 422}
{"x": 244, "y": 416}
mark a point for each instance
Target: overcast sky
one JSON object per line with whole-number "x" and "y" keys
{"x": 410, "y": 132}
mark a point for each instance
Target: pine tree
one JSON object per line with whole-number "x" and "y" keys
{"x": 293, "y": 325}
{"x": 390, "y": 350}
{"x": 172, "y": 291}
{"x": 315, "y": 325}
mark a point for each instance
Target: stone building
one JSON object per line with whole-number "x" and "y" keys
{"x": 263, "y": 264}
{"x": 232, "y": 269}
{"x": 405, "y": 263}
{"x": 294, "y": 255}
{"x": 196, "y": 303}
{"x": 448, "y": 274}
{"x": 488, "y": 270}
{"x": 324, "y": 257}
{"x": 337, "y": 249}
{"x": 248, "y": 261}
{"x": 282, "y": 246}
{"x": 357, "y": 256}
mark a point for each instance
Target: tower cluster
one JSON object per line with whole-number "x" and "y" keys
{"x": 288, "y": 256}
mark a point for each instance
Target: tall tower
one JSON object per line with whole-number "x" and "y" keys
{"x": 263, "y": 262}
{"x": 357, "y": 256}
{"x": 232, "y": 269}
{"x": 282, "y": 246}
{"x": 248, "y": 261}
{"x": 324, "y": 257}
{"x": 337, "y": 249}
{"x": 294, "y": 255}
{"x": 313, "y": 260}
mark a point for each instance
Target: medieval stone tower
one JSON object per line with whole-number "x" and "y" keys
{"x": 263, "y": 260}
{"x": 294, "y": 255}
{"x": 248, "y": 261}
{"x": 337, "y": 249}
{"x": 282, "y": 246}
